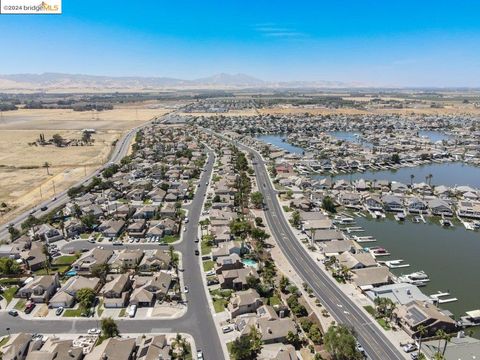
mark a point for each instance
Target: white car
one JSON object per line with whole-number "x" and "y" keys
{"x": 94, "y": 331}
{"x": 410, "y": 347}
{"x": 185, "y": 289}
{"x": 186, "y": 220}
{"x": 199, "y": 355}
{"x": 227, "y": 329}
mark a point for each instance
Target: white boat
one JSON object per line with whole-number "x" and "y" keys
{"x": 395, "y": 264}
{"x": 446, "y": 223}
{"x": 399, "y": 217}
{"x": 416, "y": 278}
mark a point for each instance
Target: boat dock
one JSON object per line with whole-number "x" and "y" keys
{"x": 396, "y": 264}
{"x": 364, "y": 239}
{"x": 438, "y": 298}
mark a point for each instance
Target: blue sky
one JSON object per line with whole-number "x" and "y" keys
{"x": 393, "y": 43}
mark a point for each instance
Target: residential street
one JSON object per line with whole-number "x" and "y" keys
{"x": 198, "y": 320}
{"x": 337, "y": 303}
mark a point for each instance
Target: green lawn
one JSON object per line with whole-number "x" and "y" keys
{"x": 170, "y": 239}
{"x": 65, "y": 260}
{"x": 4, "y": 341}
{"x": 370, "y": 310}
{"x": 8, "y": 293}
{"x": 206, "y": 247}
{"x": 274, "y": 300}
{"x": 219, "y": 305}
{"x": 54, "y": 269}
{"x": 72, "y": 312}
{"x": 20, "y": 305}
{"x": 383, "y": 323}
{"x": 208, "y": 265}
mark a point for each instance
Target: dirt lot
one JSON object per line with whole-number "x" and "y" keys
{"x": 23, "y": 178}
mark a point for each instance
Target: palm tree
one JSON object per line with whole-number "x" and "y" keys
{"x": 422, "y": 331}
{"x": 46, "y": 166}
{"x": 447, "y": 338}
{"x": 411, "y": 179}
{"x": 440, "y": 334}
{"x": 430, "y": 176}
{"x": 47, "y": 258}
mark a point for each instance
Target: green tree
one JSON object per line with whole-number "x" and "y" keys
{"x": 101, "y": 271}
{"x": 109, "y": 328}
{"x": 327, "y": 204}
{"x": 89, "y": 221}
{"x": 296, "y": 220}
{"x": 315, "y": 334}
{"x": 258, "y": 221}
{"x": 14, "y": 233}
{"x": 85, "y": 298}
{"x": 284, "y": 282}
{"x": 257, "y": 199}
{"x": 292, "y": 338}
{"x": 248, "y": 346}
{"x": 341, "y": 343}
{"x": 421, "y": 331}
{"x": 396, "y": 158}
{"x": 9, "y": 266}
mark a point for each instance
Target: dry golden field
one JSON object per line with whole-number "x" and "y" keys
{"x": 23, "y": 178}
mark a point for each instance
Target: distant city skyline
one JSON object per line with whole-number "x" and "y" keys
{"x": 429, "y": 43}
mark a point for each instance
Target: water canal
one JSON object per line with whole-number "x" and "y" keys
{"x": 448, "y": 256}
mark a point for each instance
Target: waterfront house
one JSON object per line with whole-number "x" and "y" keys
{"x": 336, "y": 247}
{"x": 398, "y": 188}
{"x": 356, "y": 261}
{"x": 468, "y": 209}
{"x": 392, "y": 203}
{"x": 370, "y": 277}
{"x": 416, "y": 206}
{"x": 417, "y": 313}
{"x": 350, "y": 199}
{"x": 374, "y": 203}
{"x": 399, "y": 293}
{"x": 440, "y": 207}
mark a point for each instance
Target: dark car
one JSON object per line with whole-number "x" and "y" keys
{"x": 44, "y": 208}
{"x": 13, "y": 312}
{"x": 197, "y": 252}
{"x": 29, "y": 308}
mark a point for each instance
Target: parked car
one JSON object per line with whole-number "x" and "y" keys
{"x": 93, "y": 331}
{"x": 44, "y": 208}
{"x": 227, "y": 329}
{"x": 410, "y": 347}
{"x": 199, "y": 355}
{"x": 132, "y": 310}
{"x": 185, "y": 289}
{"x": 13, "y": 312}
{"x": 197, "y": 252}
{"x": 59, "y": 311}
{"x": 29, "y": 307}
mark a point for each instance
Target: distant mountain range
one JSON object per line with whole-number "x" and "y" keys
{"x": 80, "y": 82}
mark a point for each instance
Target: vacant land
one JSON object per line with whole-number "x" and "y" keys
{"x": 24, "y": 181}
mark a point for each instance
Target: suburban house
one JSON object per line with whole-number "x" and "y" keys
{"x": 114, "y": 348}
{"x": 155, "y": 260}
{"x": 116, "y": 291}
{"x": 148, "y": 289}
{"x": 88, "y": 260}
{"x": 40, "y": 289}
{"x": 153, "y": 348}
{"x": 243, "y": 302}
{"x": 125, "y": 259}
{"x": 65, "y": 297}
{"x": 236, "y": 279}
